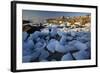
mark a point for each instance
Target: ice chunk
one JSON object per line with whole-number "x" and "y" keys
{"x": 25, "y": 35}
{"x": 70, "y": 48}
{"x": 69, "y": 38}
{"x": 67, "y": 56}
{"x": 80, "y": 34}
{"x": 35, "y": 35}
{"x": 88, "y": 44}
{"x": 26, "y": 58}
{"x": 69, "y": 33}
{"x": 45, "y": 31}
{"x": 84, "y": 38}
{"x": 53, "y": 32}
{"x": 44, "y": 54}
{"x": 29, "y": 44}
{"x": 82, "y": 54}
{"x": 61, "y": 33}
{"x": 72, "y": 42}
{"x": 38, "y": 39}
{"x": 40, "y": 44}
{"x": 35, "y": 55}
{"x": 63, "y": 40}
{"x": 73, "y": 34}
{"x": 60, "y": 48}
{"x": 51, "y": 45}
{"x": 27, "y": 52}
{"x": 81, "y": 46}
{"x": 47, "y": 38}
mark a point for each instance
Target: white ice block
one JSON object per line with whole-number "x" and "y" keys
{"x": 66, "y": 57}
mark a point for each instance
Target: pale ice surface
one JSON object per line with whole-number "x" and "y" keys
{"x": 53, "y": 44}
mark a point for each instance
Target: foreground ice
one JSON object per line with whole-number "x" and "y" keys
{"x": 51, "y": 45}
{"x": 27, "y": 47}
{"x": 67, "y": 56}
{"x": 60, "y": 48}
{"x": 81, "y": 46}
{"x": 48, "y": 42}
{"x": 25, "y": 35}
{"x": 81, "y": 55}
{"x": 27, "y": 58}
{"x": 44, "y": 54}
